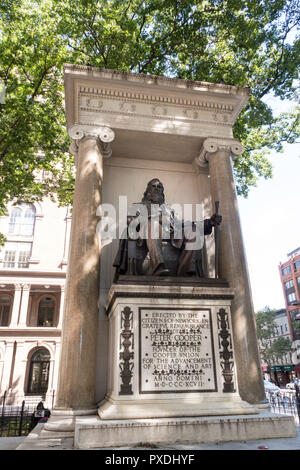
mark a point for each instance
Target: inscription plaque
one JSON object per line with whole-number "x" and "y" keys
{"x": 176, "y": 351}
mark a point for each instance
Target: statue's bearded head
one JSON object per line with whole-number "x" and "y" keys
{"x": 154, "y": 192}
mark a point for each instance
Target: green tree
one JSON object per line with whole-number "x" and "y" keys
{"x": 32, "y": 123}
{"x": 237, "y": 42}
{"x": 271, "y": 349}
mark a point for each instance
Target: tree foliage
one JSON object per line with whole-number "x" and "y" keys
{"x": 240, "y": 42}
{"x": 271, "y": 349}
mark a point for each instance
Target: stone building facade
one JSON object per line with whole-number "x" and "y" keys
{"x": 290, "y": 279}
{"x": 289, "y": 272}
{"x": 280, "y": 370}
{"x": 32, "y": 279}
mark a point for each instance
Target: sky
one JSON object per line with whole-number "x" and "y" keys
{"x": 270, "y": 219}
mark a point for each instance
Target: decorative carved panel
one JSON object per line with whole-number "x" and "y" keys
{"x": 126, "y": 351}
{"x": 226, "y": 351}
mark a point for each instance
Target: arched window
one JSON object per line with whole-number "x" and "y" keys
{"x": 15, "y": 221}
{"x": 27, "y": 226}
{"x": 22, "y": 220}
{"x": 39, "y": 372}
{"x": 5, "y": 303}
{"x": 46, "y": 311}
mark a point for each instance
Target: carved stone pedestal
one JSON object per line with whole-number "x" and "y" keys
{"x": 172, "y": 376}
{"x": 171, "y": 352}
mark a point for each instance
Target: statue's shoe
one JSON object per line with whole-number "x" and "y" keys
{"x": 162, "y": 272}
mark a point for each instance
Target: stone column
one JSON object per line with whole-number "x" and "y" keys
{"x": 35, "y": 254}
{"x": 56, "y": 365}
{"x": 77, "y": 372}
{"x": 7, "y": 369}
{"x": 61, "y": 307}
{"x": 68, "y": 221}
{"x": 233, "y": 265}
{"x": 16, "y": 306}
{"x": 24, "y": 305}
{"x": 19, "y": 371}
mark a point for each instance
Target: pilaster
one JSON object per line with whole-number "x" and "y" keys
{"x": 16, "y": 305}
{"x": 24, "y": 305}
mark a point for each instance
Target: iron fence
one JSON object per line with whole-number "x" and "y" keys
{"x": 19, "y": 420}
{"x": 287, "y": 403}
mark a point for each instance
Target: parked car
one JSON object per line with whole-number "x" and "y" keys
{"x": 270, "y": 387}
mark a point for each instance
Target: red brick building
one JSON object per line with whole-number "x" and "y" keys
{"x": 290, "y": 280}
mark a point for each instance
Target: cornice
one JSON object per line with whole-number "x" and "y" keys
{"x": 149, "y": 103}
{"x": 167, "y": 291}
{"x": 150, "y": 80}
{"x": 30, "y": 332}
{"x": 30, "y": 273}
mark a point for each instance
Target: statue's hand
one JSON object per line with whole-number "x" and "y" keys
{"x": 215, "y": 219}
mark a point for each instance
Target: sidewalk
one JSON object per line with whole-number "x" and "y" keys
{"x": 10, "y": 443}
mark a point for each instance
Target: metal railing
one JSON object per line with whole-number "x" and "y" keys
{"x": 20, "y": 419}
{"x": 287, "y": 403}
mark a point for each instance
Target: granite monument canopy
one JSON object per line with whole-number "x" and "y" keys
{"x": 181, "y": 113}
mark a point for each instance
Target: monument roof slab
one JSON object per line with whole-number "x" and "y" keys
{"x": 180, "y": 113}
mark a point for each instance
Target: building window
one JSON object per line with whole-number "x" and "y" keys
{"x": 39, "y": 372}
{"x": 22, "y": 220}
{"x": 297, "y": 265}
{"x": 289, "y": 284}
{"x": 15, "y": 220}
{"x": 295, "y": 314}
{"x": 17, "y": 254}
{"x": 286, "y": 270}
{"x": 291, "y": 297}
{"x": 46, "y": 311}
{"x": 281, "y": 329}
{"x": 5, "y": 303}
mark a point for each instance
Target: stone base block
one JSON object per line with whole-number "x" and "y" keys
{"x": 172, "y": 408}
{"x": 92, "y": 432}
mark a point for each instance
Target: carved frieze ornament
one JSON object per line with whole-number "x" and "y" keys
{"x": 212, "y": 145}
{"x": 126, "y": 351}
{"x": 104, "y": 136}
{"x": 226, "y": 351}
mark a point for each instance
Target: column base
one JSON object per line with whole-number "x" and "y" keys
{"x": 63, "y": 420}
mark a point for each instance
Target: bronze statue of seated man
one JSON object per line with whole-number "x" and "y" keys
{"x": 153, "y": 232}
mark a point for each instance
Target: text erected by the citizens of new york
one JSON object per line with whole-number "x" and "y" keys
{"x": 176, "y": 351}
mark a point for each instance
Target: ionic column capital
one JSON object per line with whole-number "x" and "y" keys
{"x": 102, "y": 134}
{"x": 212, "y": 145}
{"x": 26, "y": 287}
